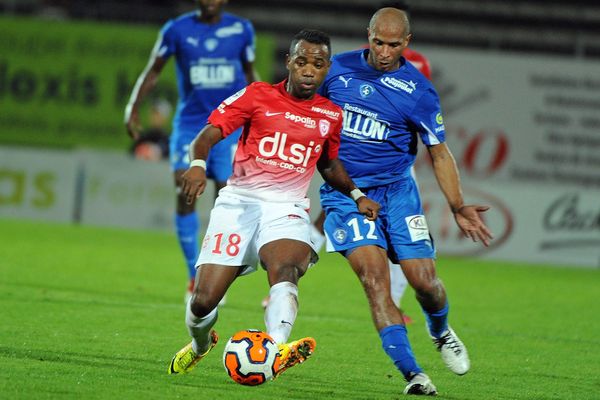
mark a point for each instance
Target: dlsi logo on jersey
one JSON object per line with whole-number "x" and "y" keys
{"x": 296, "y": 159}
{"x": 364, "y": 127}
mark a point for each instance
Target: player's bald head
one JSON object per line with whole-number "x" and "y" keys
{"x": 389, "y": 18}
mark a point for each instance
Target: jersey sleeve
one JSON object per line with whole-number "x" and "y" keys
{"x": 165, "y": 45}
{"x": 332, "y": 144}
{"x": 234, "y": 111}
{"x": 249, "y": 54}
{"x": 427, "y": 119}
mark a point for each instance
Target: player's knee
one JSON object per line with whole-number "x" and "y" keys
{"x": 201, "y": 306}
{"x": 430, "y": 287}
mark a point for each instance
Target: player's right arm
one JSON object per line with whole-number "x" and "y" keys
{"x": 147, "y": 80}
{"x": 334, "y": 173}
{"x": 144, "y": 85}
{"x": 194, "y": 179}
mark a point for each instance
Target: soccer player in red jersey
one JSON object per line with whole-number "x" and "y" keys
{"x": 262, "y": 213}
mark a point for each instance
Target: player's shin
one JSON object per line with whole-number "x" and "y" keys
{"x": 281, "y": 311}
{"x": 395, "y": 343}
{"x": 199, "y": 329}
{"x": 187, "y": 227}
{"x": 437, "y": 322}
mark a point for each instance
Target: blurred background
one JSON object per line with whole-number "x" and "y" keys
{"x": 519, "y": 83}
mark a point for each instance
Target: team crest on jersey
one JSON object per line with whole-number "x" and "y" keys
{"x": 340, "y": 235}
{"x": 366, "y": 90}
{"x": 211, "y": 44}
{"x": 324, "y": 127}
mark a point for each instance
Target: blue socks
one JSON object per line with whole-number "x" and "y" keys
{"x": 396, "y": 345}
{"x": 437, "y": 321}
{"x": 187, "y": 227}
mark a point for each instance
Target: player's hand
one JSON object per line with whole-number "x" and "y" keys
{"x": 132, "y": 121}
{"x": 193, "y": 183}
{"x": 470, "y": 223}
{"x": 368, "y": 207}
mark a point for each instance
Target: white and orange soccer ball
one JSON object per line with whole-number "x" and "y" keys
{"x": 251, "y": 357}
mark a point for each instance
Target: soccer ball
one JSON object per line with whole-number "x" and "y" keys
{"x": 251, "y": 357}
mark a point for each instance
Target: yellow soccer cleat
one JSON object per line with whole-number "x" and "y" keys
{"x": 295, "y": 352}
{"x": 186, "y": 359}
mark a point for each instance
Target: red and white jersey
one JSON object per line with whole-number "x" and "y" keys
{"x": 418, "y": 60}
{"x": 282, "y": 139}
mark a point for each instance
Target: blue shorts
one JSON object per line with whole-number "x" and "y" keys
{"x": 219, "y": 165}
{"x": 400, "y": 229}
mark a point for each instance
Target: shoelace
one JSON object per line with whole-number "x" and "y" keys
{"x": 449, "y": 340}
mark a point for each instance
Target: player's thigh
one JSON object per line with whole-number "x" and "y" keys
{"x": 407, "y": 230}
{"x": 230, "y": 238}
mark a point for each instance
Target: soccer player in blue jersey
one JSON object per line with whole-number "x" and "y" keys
{"x": 388, "y": 106}
{"x": 214, "y": 52}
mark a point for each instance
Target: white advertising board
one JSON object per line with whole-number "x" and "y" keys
{"x": 37, "y": 184}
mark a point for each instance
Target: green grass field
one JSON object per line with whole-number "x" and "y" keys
{"x": 92, "y": 313}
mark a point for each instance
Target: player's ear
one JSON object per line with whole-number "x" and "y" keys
{"x": 407, "y": 39}
{"x": 287, "y": 61}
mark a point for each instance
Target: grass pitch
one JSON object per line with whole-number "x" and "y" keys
{"x": 92, "y": 313}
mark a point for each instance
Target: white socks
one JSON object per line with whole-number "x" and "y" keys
{"x": 281, "y": 311}
{"x": 199, "y": 329}
{"x": 398, "y": 283}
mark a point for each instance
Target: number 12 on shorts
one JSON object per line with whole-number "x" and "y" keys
{"x": 231, "y": 244}
{"x": 354, "y": 224}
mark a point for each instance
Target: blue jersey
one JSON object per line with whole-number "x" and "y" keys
{"x": 384, "y": 114}
{"x": 209, "y": 60}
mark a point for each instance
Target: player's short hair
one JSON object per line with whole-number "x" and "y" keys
{"x": 313, "y": 36}
{"x": 400, "y": 5}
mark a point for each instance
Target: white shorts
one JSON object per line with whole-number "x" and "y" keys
{"x": 239, "y": 226}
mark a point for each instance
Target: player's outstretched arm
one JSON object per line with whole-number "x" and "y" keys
{"x": 467, "y": 217}
{"x": 144, "y": 85}
{"x": 194, "y": 179}
{"x": 334, "y": 173}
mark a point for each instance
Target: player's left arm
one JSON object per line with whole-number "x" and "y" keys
{"x": 249, "y": 54}
{"x": 467, "y": 216}
{"x": 250, "y": 72}
{"x": 334, "y": 173}
{"x": 194, "y": 179}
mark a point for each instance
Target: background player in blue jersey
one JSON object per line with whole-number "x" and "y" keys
{"x": 388, "y": 105}
{"x": 214, "y": 52}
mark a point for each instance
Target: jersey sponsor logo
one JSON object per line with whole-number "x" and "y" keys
{"x": 192, "y": 41}
{"x": 270, "y": 114}
{"x": 211, "y": 44}
{"x": 206, "y": 75}
{"x": 330, "y": 113}
{"x": 230, "y": 100}
{"x": 366, "y": 90}
{"x": 235, "y": 29}
{"x": 361, "y": 127}
{"x": 346, "y": 81}
{"x": 307, "y": 121}
{"x": 296, "y": 154}
{"x": 399, "y": 84}
{"x": 417, "y": 227}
